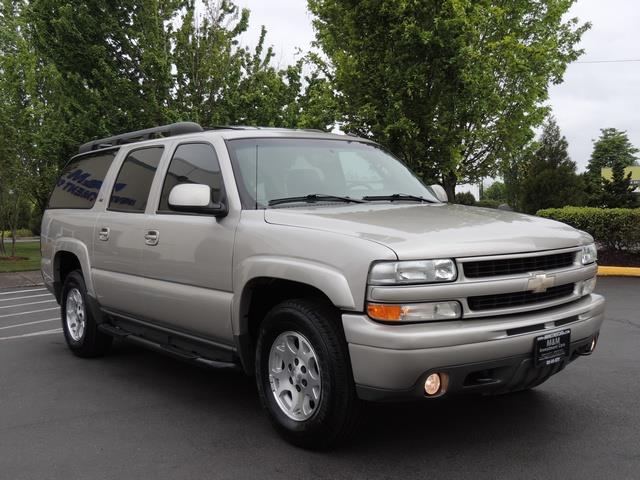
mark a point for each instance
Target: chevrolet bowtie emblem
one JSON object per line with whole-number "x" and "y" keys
{"x": 539, "y": 282}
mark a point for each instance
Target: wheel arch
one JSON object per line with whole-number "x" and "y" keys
{"x": 258, "y": 297}
{"x": 70, "y": 255}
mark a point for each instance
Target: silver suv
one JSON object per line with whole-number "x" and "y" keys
{"x": 318, "y": 263}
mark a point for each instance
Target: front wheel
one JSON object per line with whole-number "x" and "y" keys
{"x": 78, "y": 324}
{"x": 304, "y": 376}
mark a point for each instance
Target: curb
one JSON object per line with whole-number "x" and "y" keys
{"x": 605, "y": 271}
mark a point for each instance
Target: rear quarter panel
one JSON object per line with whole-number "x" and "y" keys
{"x": 71, "y": 231}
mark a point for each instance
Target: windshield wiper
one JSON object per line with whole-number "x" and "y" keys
{"x": 313, "y": 198}
{"x": 398, "y": 196}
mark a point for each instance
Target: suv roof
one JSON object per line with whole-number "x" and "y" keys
{"x": 190, "y": 128}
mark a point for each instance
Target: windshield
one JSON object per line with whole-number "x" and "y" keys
{"x": 272, "y": 169}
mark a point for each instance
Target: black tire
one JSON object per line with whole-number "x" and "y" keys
{"x": 92, "y": 342}
{"x": 335, "y": 416}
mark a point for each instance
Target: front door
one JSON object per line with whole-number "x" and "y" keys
{"x": 187, "y": 258}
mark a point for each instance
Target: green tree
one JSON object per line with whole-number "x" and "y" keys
{"x": 614, "y": 150}
{"x": 22, "y": 113}
{"x": 219, "y": 82}
{"x": 514, "y": 172}
{"x": 450, "y": 86}
{"x": 611, "y": 149}
{"x": 551, "y": 179}
{"x": 618, "y": 192}
{"x": 208, "y": 62}
{"x": 114, "y": 59}
{"x": 73, "y": 71}
{"x": 497, "y": 191}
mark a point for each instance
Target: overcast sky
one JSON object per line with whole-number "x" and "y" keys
{"x": 593, "y": 95}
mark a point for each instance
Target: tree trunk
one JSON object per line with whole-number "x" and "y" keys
{"x": 449, "y": 183}
{"x": 3, "y": 251}
{"x": 13, "y": 241}
{"x": 14, "y": 225}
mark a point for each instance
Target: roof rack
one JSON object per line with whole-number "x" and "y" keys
{"x": 253, "y": 127}
{"x": 171, "y": 130}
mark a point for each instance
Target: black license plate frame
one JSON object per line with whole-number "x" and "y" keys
{"x": 552, "y": 348}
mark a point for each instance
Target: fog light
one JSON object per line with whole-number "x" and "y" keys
{"x": 592, "y": 347}
{"x": 432, "y": 384}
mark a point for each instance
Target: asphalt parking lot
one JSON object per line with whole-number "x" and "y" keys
{"x": 138, "y": 414}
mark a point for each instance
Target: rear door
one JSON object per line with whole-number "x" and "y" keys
{"x": 119, "y": 234}
{"x": 187, "y": 260}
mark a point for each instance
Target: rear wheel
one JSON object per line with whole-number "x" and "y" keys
{"x": 79, "y": 326}
{"x": 304, "y": 376}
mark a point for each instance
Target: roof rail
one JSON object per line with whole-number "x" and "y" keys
{"x": 179, "y": 128}
{"x": 231, "y": 127}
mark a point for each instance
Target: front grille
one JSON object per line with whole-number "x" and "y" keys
{"x": 511, "y": 266}
{"x": 517, "y": 299}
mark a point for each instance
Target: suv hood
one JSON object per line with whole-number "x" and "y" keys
{"x": 415, "y": 231}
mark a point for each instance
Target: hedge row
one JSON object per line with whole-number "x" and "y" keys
{"x": 612, "y": 228}
{"x": 21, "y": 232}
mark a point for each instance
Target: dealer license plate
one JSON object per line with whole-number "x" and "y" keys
{"x": 552, "y": 348}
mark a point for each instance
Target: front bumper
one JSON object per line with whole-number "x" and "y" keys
{"x": 391, "y": 361}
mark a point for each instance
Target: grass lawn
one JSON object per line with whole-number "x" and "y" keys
{"x": 28, "y": 257}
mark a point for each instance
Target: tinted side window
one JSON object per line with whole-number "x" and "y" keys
{"x": 192, "y": 163}
{"x": 131, "y": 190}
{"x": 80, "y": 181}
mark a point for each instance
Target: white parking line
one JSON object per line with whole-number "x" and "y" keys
{"x": 23, "y": 291}
{"x": 34, "y": 334}
{"x": 30, "y": 323}
{"x": 26, "y": 296}
{"x": 30, "y": 303}
{"x": 26, "y": 313}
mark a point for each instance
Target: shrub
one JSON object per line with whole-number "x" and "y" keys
{"x": 488, "y": 203}
{"x": 465, "y": 198}
{"x": 20, "y": 232}
{"x": 612, "y": 228}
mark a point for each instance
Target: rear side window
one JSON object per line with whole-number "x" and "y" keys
{"x": 192, "y": 163}
{"x": 131, "y": 190}
{"x": 80, "y": 181}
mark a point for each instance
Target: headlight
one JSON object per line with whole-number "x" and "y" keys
{"x": 414, "y": 271}
{"x": 589, "y": 254}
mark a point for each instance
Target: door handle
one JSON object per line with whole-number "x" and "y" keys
{"x": 151, "y": 237}
{"x": 103, "y": 234}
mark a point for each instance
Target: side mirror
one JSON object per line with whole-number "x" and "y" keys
{"x": 195, "y": 198}
{"x": 441, "y": 194}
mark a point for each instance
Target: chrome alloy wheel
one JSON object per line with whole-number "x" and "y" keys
{"x": 76, "y": 316}
{"x": 294, "y": 375}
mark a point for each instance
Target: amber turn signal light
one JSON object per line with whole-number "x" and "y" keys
{"x": 414, "y": 312}
{"x": 384, "y": 312}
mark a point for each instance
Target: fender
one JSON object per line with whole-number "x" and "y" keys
{"x": 79, "y": 249}
{"x": 321, "y": 276}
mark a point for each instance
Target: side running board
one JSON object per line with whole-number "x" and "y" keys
{"x": 172, "y": 350}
